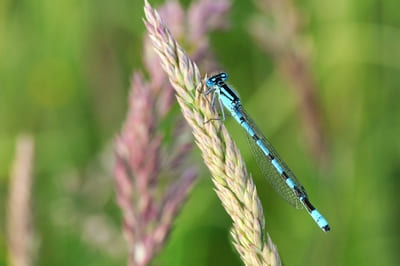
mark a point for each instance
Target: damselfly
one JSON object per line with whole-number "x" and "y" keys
{"x": 272, "y": 166}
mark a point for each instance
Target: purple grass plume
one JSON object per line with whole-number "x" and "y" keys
{"x": 152, "y": 181}
{"x": 142, "y": 165}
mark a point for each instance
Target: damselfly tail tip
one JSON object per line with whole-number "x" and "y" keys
{"x": 326, "y": 228}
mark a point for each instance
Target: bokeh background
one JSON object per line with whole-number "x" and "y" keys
{"x": 65, "y": 69}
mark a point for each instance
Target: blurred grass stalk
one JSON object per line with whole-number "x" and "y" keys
{"x": 234, "y": 186}
{"x": 277, "y": 30}
{"x": 149, "y": 204}
{"x": 19, "y": 230}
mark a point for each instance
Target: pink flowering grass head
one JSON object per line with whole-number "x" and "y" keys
{"x": 143, "y": 161}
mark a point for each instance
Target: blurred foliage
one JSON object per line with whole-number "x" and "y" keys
{"x": 64, "y": 76}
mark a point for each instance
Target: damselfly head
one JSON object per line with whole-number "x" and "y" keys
{"x": 223, "y": 76}
{"x": 217, "y": 79}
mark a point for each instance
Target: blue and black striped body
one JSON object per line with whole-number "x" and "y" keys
{"x": 270, "y": 163}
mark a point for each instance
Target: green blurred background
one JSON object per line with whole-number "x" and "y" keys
{"x": 65, "y": 69}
